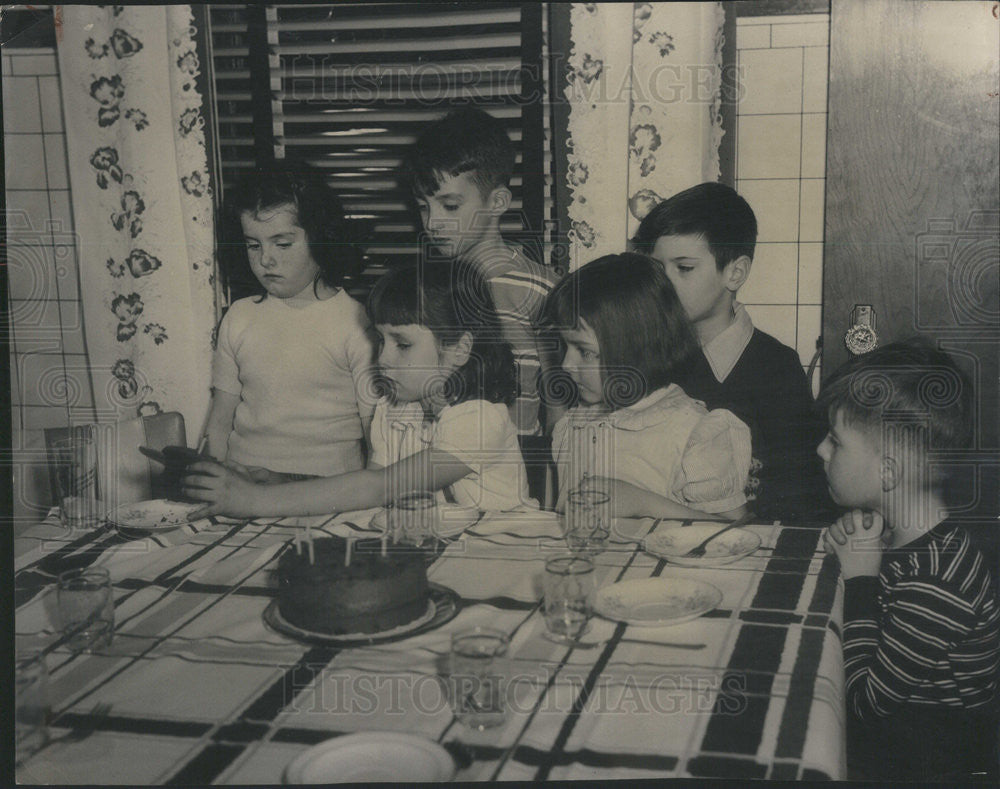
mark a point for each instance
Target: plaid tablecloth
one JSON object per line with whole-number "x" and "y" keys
{"x": 203, "y": 692}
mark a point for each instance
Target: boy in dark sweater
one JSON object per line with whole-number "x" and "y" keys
{"x": 921, "y": 622}
{"x": 705, "y": 238}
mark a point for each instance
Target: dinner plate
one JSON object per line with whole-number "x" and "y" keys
{"x": 672, "y": 544}
{"x": 153, "y": 515}
{"x": 655, "y": 602}
{"x": 372, "y": 757}
{"x": 452, "y": 519}
{"x": 442, "y": 607}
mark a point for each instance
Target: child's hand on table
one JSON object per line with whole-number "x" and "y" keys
{"x": 228, "y": 489}
{"x": 858, "y": 539}
{"x": 631, "y": 501}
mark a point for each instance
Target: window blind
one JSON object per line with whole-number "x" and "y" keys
{"x": 348, "y": 87}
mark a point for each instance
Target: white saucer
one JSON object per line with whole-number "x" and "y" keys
{"x": 672, "y": 544}
{"x": 152, "y": 516}
{"x": 372, "y": 757}
{"x": 655, "y": 602}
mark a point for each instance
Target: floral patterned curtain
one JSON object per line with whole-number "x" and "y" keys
{"x": 644, "y": 121}
{"x": 142, "y": 207}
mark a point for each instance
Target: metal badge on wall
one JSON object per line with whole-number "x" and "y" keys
{"x": 861, "y": 337}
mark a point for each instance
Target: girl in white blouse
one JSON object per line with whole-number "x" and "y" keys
{"x": 634, "y": 433}
{"x": 442, "y": 425}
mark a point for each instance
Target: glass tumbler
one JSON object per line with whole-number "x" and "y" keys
{"x": 86, "y": 608}
{"x": 478, "y": 676}
{"x": 75, "y": 465}
{"x": 412, "y": 519}
{"x": 586, "y": 522}
{"x": 31, "y": 702}
{"x": 569, "y": 592}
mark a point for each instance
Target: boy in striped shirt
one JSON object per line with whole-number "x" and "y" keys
{"x": 459, "y": 171}
{"x": 921, "y": 632}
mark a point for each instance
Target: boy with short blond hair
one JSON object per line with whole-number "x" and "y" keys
{"x": 921, "y": 631}
{"x": 705, "y": 238}
{"x": 459, "y": 171}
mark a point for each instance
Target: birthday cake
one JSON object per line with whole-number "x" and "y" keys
{"x": 372, "y": 593}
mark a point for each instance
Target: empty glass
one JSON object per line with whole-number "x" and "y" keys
{"x": 31, "y": 702}
{"x": 569, "y": 591}
{"x": 412, "y": 518}
{"x": 86, "y": 608}
{"x": 586, "y": 521}
{"x": 478, "y": 676}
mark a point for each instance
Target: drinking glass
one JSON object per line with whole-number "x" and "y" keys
{"x": 75, "y": 461}
{"x": 586, "y": 522}
{"x": 86, "y": 608}
{"x": 478, "y": 676}
{"x": 412, "y": 517}
{"x": 31, "y": 702}
{"x": 569, "y": 591}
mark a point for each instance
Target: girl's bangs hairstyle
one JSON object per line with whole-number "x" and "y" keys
{"x": 332, "y": 238}
{"x": 451, "y": 298}
{"x": 644, "y": 336}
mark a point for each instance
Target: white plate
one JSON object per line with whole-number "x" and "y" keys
{"x": 153, "y": 515}
{"x": 371, "y": 757}
{"x": 452, "y": 519}
{"x": 654, "y": 602}
{"x": 672, "y": 544}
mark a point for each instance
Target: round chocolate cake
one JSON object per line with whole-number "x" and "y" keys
{"x": 372, "y": 594}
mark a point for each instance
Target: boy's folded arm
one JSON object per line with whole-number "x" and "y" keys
{"x": 886, "y": 667}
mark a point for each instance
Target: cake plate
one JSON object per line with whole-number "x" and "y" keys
{"x": 442, "y": 607}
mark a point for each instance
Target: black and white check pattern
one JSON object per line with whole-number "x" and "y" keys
{"x": 202, "y": 692}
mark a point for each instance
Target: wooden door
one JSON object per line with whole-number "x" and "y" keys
{"x": 913, "y": 189}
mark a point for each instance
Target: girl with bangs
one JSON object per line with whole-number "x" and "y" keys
{"x": 441, "y": 425}
{"x": 634, "y": 433}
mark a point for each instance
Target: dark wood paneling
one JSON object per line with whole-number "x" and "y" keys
{"x": 913, "y": 181}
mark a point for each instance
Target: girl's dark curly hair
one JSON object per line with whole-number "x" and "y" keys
{"x": 332, "y": 238}
{"x": 450, "y": 298}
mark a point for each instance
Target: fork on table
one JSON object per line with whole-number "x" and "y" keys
{"x": 699, "y": 550}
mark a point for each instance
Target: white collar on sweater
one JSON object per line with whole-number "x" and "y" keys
{"x": 725, "y": 349}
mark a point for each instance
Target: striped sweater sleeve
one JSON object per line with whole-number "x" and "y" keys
{"x": 885, "y": 666}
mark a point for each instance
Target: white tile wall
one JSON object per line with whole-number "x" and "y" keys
{"x": 50, "y": 386}
{"x": 775, "y": 202}
{"x": 781, "y": 169}
{"x": 815, "y": 78}
{"x": 772, "y": 79}
{"x": 22, "y": 93}
{"x": 814, "y": 145}
{"x": 800, "y": 34}
{"x": 773, "y": 275}
{"x": 769, "y": 146}
{"x": 51, "y": 104}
